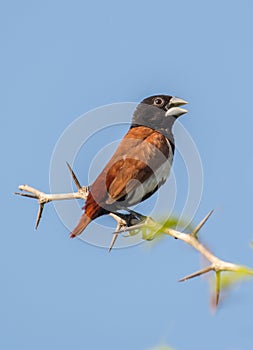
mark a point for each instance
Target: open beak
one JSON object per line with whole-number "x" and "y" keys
{"x": 173, "y": 108}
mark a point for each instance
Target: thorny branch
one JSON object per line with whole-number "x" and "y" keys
{"x": 216, "y": 264}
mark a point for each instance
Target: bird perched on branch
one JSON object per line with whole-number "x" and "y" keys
{"x": 140, "y": 164}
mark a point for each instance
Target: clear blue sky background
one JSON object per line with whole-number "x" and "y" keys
{"x": 60, "y": 59}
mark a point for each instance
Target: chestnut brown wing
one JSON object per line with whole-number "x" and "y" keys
{"x": 138, "y": 166}
{"x": 141, "y": 151}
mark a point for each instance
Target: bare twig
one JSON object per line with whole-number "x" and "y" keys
{"x": 216, "y": 264}
{"x": 134, "y": 221}
{"x": 44, "y": 198}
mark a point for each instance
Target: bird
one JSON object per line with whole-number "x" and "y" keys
{"x": 141, "y": 163}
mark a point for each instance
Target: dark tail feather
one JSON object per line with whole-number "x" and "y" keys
{"x": 84, "y": 221}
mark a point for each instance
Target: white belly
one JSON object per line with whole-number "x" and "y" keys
{"x": 158, "y": 178}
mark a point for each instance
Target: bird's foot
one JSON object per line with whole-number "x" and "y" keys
{"x": 144, "y": 224}
{"x": 129, "y": 220}
{"x": 131, "y": 223}
{"x": 137, "y": 216}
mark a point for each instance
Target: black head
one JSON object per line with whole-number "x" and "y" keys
{"x": 158, "y": 112}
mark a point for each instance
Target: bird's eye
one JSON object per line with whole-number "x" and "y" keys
{"x": 158, "y": 101}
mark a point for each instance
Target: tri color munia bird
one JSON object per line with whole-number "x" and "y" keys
{"x": 140, "y": 165}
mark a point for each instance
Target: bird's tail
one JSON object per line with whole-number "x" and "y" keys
{"x": 84, "y": 221}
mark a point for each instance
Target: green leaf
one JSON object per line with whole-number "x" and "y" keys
{"x": 229, "y": 279}
{"x": 156, "y": 231}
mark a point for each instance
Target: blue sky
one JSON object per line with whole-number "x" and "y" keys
{"x": 61, "y": 59}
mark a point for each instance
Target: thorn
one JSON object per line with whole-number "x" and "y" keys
{"x": 115, "y": 236}
{"x": 39, "y": 215}
{"x": 217, "y": 294}
{"x": 201, "y": 224}
{"x": 77, "y": 183}
{"x": 196, "y": 274}
{"x": 26, "y": 195}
